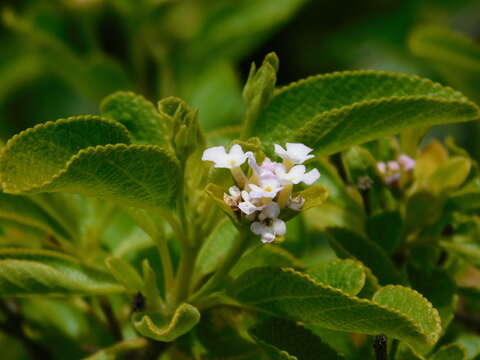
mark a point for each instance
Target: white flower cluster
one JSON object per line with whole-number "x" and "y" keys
{"x": 392, "y": 170}
{"x": 261, "y": 196}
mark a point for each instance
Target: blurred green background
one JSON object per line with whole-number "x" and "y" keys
{"x": 59, "y": 58}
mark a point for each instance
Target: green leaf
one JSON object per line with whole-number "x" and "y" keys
{"x": 414, "y": 305}
{"x": 385, "y": 229}
{"x": 451, "y": 175}
{"x": 222, "y": 334}
{"x": 288, "y": 340}
{"x": 348, "y": 244}
{"x": 314, "y": 196}
{"x": 138, "y": 115}
{"x": 289, "y": 294}
{"x": 160, "y": 328}
{"x": 346, "y": 275}
{"x": 231, "y": 29}
{"x": 21, "y": 211}
{"x": 216, "y": 193}
{"x": 88, "y": 155}
{"x": 125, "y": 274}
{"x": 332, "y": 112}
{"x": 42, "y": 272}
{"x": 454, "y": 55}
{"x": 404, "y": 352}
{"x": 264, "y": 255}
{"x": 450, "y": 352}
{"x": 125, "y": 346}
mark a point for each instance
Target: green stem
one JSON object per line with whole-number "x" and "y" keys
{"x": 166, "y": 259}
{"x": 236, "y": 251}
{"x": 184, "y": 275}
{"x": 250, "y": 118}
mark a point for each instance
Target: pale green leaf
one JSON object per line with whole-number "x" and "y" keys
{"x": 42, "y": 272}
{"x": 414, "y": 305}
{"x": 450, "y": 175}
{"x": 289, "y": 294}
{"x": 332, "y": 112}
{"x": 89, "y": 156}
{"x": 346, "y": 275}
{"x": 138, "y": 115}
{"x": 125, "y": 274}
{"x": 160, "y": 328}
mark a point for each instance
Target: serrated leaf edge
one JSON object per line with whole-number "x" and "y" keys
{"x": 374, "y": 102}
{"x": 436, "y": 315}
{"x": 87, "y": 151}
{"x": 171, "y": 324}
{"x": 354, "y": 298}
{"x": 379, "y": 73}
{"x": 264, "y": 343}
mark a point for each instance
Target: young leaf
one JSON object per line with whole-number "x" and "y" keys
{"x": 125, "y": 274}
{"x": 346, "y": 275}
{"x": 157, "y": 327}
{"x": 290, "y": 294}
{"x": 413, "y": 305}
{"x": 453, "y": 351}
{"x": 42, "y": 272}
{"x": 348, "y": 244}
{"x": 332, "y": 112}
{"x": 290, "y": 341}
{"x": 77, "y": 155}
{"x": 138, "y": 115}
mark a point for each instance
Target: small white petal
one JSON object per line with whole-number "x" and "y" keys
{"x": 310, "y": 177}
{"x": 268, "y": 238}
{"x": 258, "y": 228}
{"x": 248, "y": 208}
{"x": 279, "y": 227}
{"x": 217, "y": 155}
{"x": 245, "y": 195}
{"x": 298, "y": 153}
{"x": 252, "y": 162}
{"x": 280, "y": 151}
{"x": 272, "y": 210}
{"x": 237, "y": 156}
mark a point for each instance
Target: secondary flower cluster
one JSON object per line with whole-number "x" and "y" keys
{"x": 392, "y": 170}
{"x": 267, "y": 189}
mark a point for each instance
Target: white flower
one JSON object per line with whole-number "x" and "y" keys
{"x": 269, "y": 226}
{"x": 233, "y": 197}
{"x": 295, "y": 153}
{"x": 406, "y": 162}
{"x": 268, "y": 166}
{"x": 269, "y": 187}
{"x": 249, "y": 205}
{"x": 296, "y": 175}
{"x": 217, "y": 154}
{"x": 296, "y": 203}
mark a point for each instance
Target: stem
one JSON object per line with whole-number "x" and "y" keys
{"x": 237, "y": 250}
{"x": 166, "y": 259}
{"x": 184, "y": 275}
{"x": 380, "y": 347}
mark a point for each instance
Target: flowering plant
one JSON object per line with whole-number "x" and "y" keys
{"x": 324, "y": 224}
